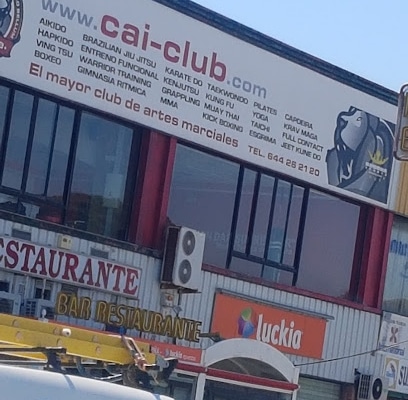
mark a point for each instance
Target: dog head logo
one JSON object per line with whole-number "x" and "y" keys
{"x": 361, "y": 159}
{"x": 11, "y": 19}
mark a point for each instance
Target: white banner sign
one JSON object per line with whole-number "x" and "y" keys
{"x": 394, "y": 335}
{"x": 160, "y": 68}
{"x": 396, "y": 371}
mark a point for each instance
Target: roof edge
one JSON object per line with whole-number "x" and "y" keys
{"x": 280, "y": 49}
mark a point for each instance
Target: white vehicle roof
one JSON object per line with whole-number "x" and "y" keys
{"x": 18, "y": 383}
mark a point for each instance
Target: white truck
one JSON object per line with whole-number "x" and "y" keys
{"x": 19, "y": 383}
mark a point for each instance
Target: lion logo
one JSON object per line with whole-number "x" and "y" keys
{"x": 361, "y": 159}
{"x": 11, "y": 19}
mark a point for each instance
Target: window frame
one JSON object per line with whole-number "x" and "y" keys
{"x": 265, "y": 261}
{"x": 22, "y": 196}
{"x": 362, "y": 225}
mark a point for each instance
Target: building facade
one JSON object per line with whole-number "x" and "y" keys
{"x": 168, "y": 173}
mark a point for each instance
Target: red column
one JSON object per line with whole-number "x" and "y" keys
{"x": 375, "y": 257}
{"x": 153, "y": 188}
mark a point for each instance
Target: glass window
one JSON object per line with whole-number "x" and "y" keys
{"x": 17, "y": 140}
{"x": 59, "y": 158}
{"x": 50, "y": 150}
{"x": 279, "y": 220}
{"x": 98, "y": 184}
{"x": 328, "y": 245}
{"x": 225, "y": 391}
{"x": 246, "y": 267}
{"x": 179, "y": 387}
{"x": 245, "y": 207}
{"x": 267, "y": 227}
{"x": 65, "y": 165}
{"x": 202, "y": 196}
{"x": 262, "y": 216}
{"x": 293, "y": 225}
{"x": 4, "y": 94}
{"x": 263, "y": 226}
{"x": 41, "y": 147}
{"x": 396, "y": 282}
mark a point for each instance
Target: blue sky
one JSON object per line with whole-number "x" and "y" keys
{"x": 366, "y": 37}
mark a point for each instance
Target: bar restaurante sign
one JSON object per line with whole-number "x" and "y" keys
{"x": 129, "y": 317}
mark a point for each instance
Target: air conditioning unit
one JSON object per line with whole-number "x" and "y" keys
{"x": 39, "y": 308}
{"x": 371, "y": 387}
{"x": 10, "y": 303}
{"x": 183, "y": 257}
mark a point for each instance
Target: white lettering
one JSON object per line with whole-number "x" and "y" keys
{"x": 279, "y": 334}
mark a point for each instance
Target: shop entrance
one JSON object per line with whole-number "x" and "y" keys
{"x": 224, "y": 391}
{"x": 241, "y": 369}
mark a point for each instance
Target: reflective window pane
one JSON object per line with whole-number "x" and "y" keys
{"x": 395, "y": 298}
{"x": 17, "y": 141}
{"x": 292, "y": 229}
{"x": 328, "y": 245}
{"x": 99, "y": 179}
{"x": 262, "y": 216}
{"x": 246, "y": 267}
{"x": 268, "y": 213}
{"x": 42, "y": 147}
{"x": 9, "y": 203}
{"x": 280, "y": 216}
{"x": 244, "y": 210}
{"x": 225, "y": 391}
{"x": 202, "y": 197}
{"x": 4, "y": 93}
{"x": 50, "y": 150}
{"x": 277, "y": 275}
{"x": 60, "y": 154}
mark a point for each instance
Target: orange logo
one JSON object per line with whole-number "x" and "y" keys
{"x": 290, "y": 332}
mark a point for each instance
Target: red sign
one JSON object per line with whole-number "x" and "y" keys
{"x": 59, "y": 265}
{"x": 290, "y": 332}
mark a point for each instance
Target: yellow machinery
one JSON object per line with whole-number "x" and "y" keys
{"x": 62, "y": 347}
